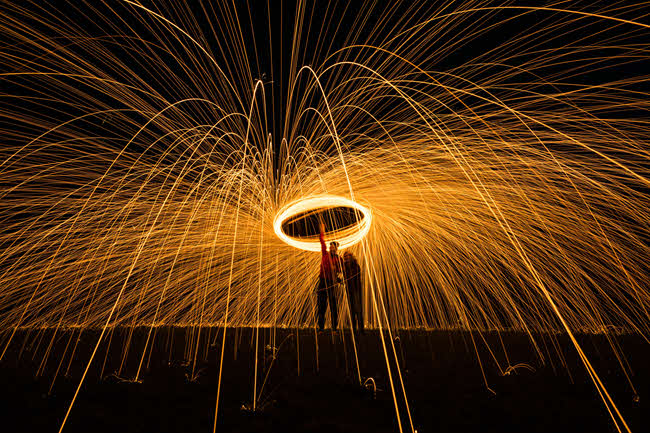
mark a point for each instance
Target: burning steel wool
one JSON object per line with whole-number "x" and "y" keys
{"x": 358, "y": 221}
{"x": 152, "y": 174}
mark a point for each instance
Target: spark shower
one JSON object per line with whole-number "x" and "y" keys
{"x": 499, "y": 154}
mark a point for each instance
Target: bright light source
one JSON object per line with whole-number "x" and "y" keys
{"x": 346, "y": 236}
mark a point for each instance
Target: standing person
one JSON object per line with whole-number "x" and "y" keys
{"x": 352, "y": 275}
{"x": 328, "y": 280}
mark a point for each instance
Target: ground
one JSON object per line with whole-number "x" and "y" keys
{"x": 304, "y": 389}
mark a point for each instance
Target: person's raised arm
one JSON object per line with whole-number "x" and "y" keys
{"x": 321, "y": 236}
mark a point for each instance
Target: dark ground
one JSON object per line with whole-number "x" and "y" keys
{"x": 444, "y": 384}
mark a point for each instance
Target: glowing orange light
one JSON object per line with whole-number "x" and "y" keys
{"x": 345, "y": 237}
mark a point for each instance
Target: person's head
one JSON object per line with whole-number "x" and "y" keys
{"x": 348, "y": 256}
{"x": 334, "y": 247}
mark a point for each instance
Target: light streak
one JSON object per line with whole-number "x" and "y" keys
{"x": 346, "y": 237}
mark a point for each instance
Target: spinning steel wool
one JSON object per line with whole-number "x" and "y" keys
{"x": 346, "y": 236}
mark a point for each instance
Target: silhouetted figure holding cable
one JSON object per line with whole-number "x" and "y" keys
{"x": 328, "y": 280}
{"x": 352, "y": 275}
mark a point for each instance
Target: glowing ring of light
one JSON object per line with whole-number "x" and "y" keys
{"x": 345, "y": 237}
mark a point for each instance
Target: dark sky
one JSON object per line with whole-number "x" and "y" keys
{"x": 271, "y": 40}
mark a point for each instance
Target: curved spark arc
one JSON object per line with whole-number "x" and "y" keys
{"x": 346, "y": 238}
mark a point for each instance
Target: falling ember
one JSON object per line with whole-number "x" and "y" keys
{"x": 346, "y": 221}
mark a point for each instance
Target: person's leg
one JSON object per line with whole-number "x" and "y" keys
{"x": 358, "y": 309}
{"x": 350, "y": 304}
{"x": 353, "y": 310}
{"x": 321, "y": 294}
{"x": 331, "y": 293}
{"x": 360, "y": 315}
{"x": 322, "y": 307}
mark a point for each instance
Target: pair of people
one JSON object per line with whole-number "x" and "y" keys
{"x": 332, "y": 273}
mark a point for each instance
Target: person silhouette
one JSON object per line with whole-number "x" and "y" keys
{"x": 352, "y": 276}
{"x": 328, "y": 280}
